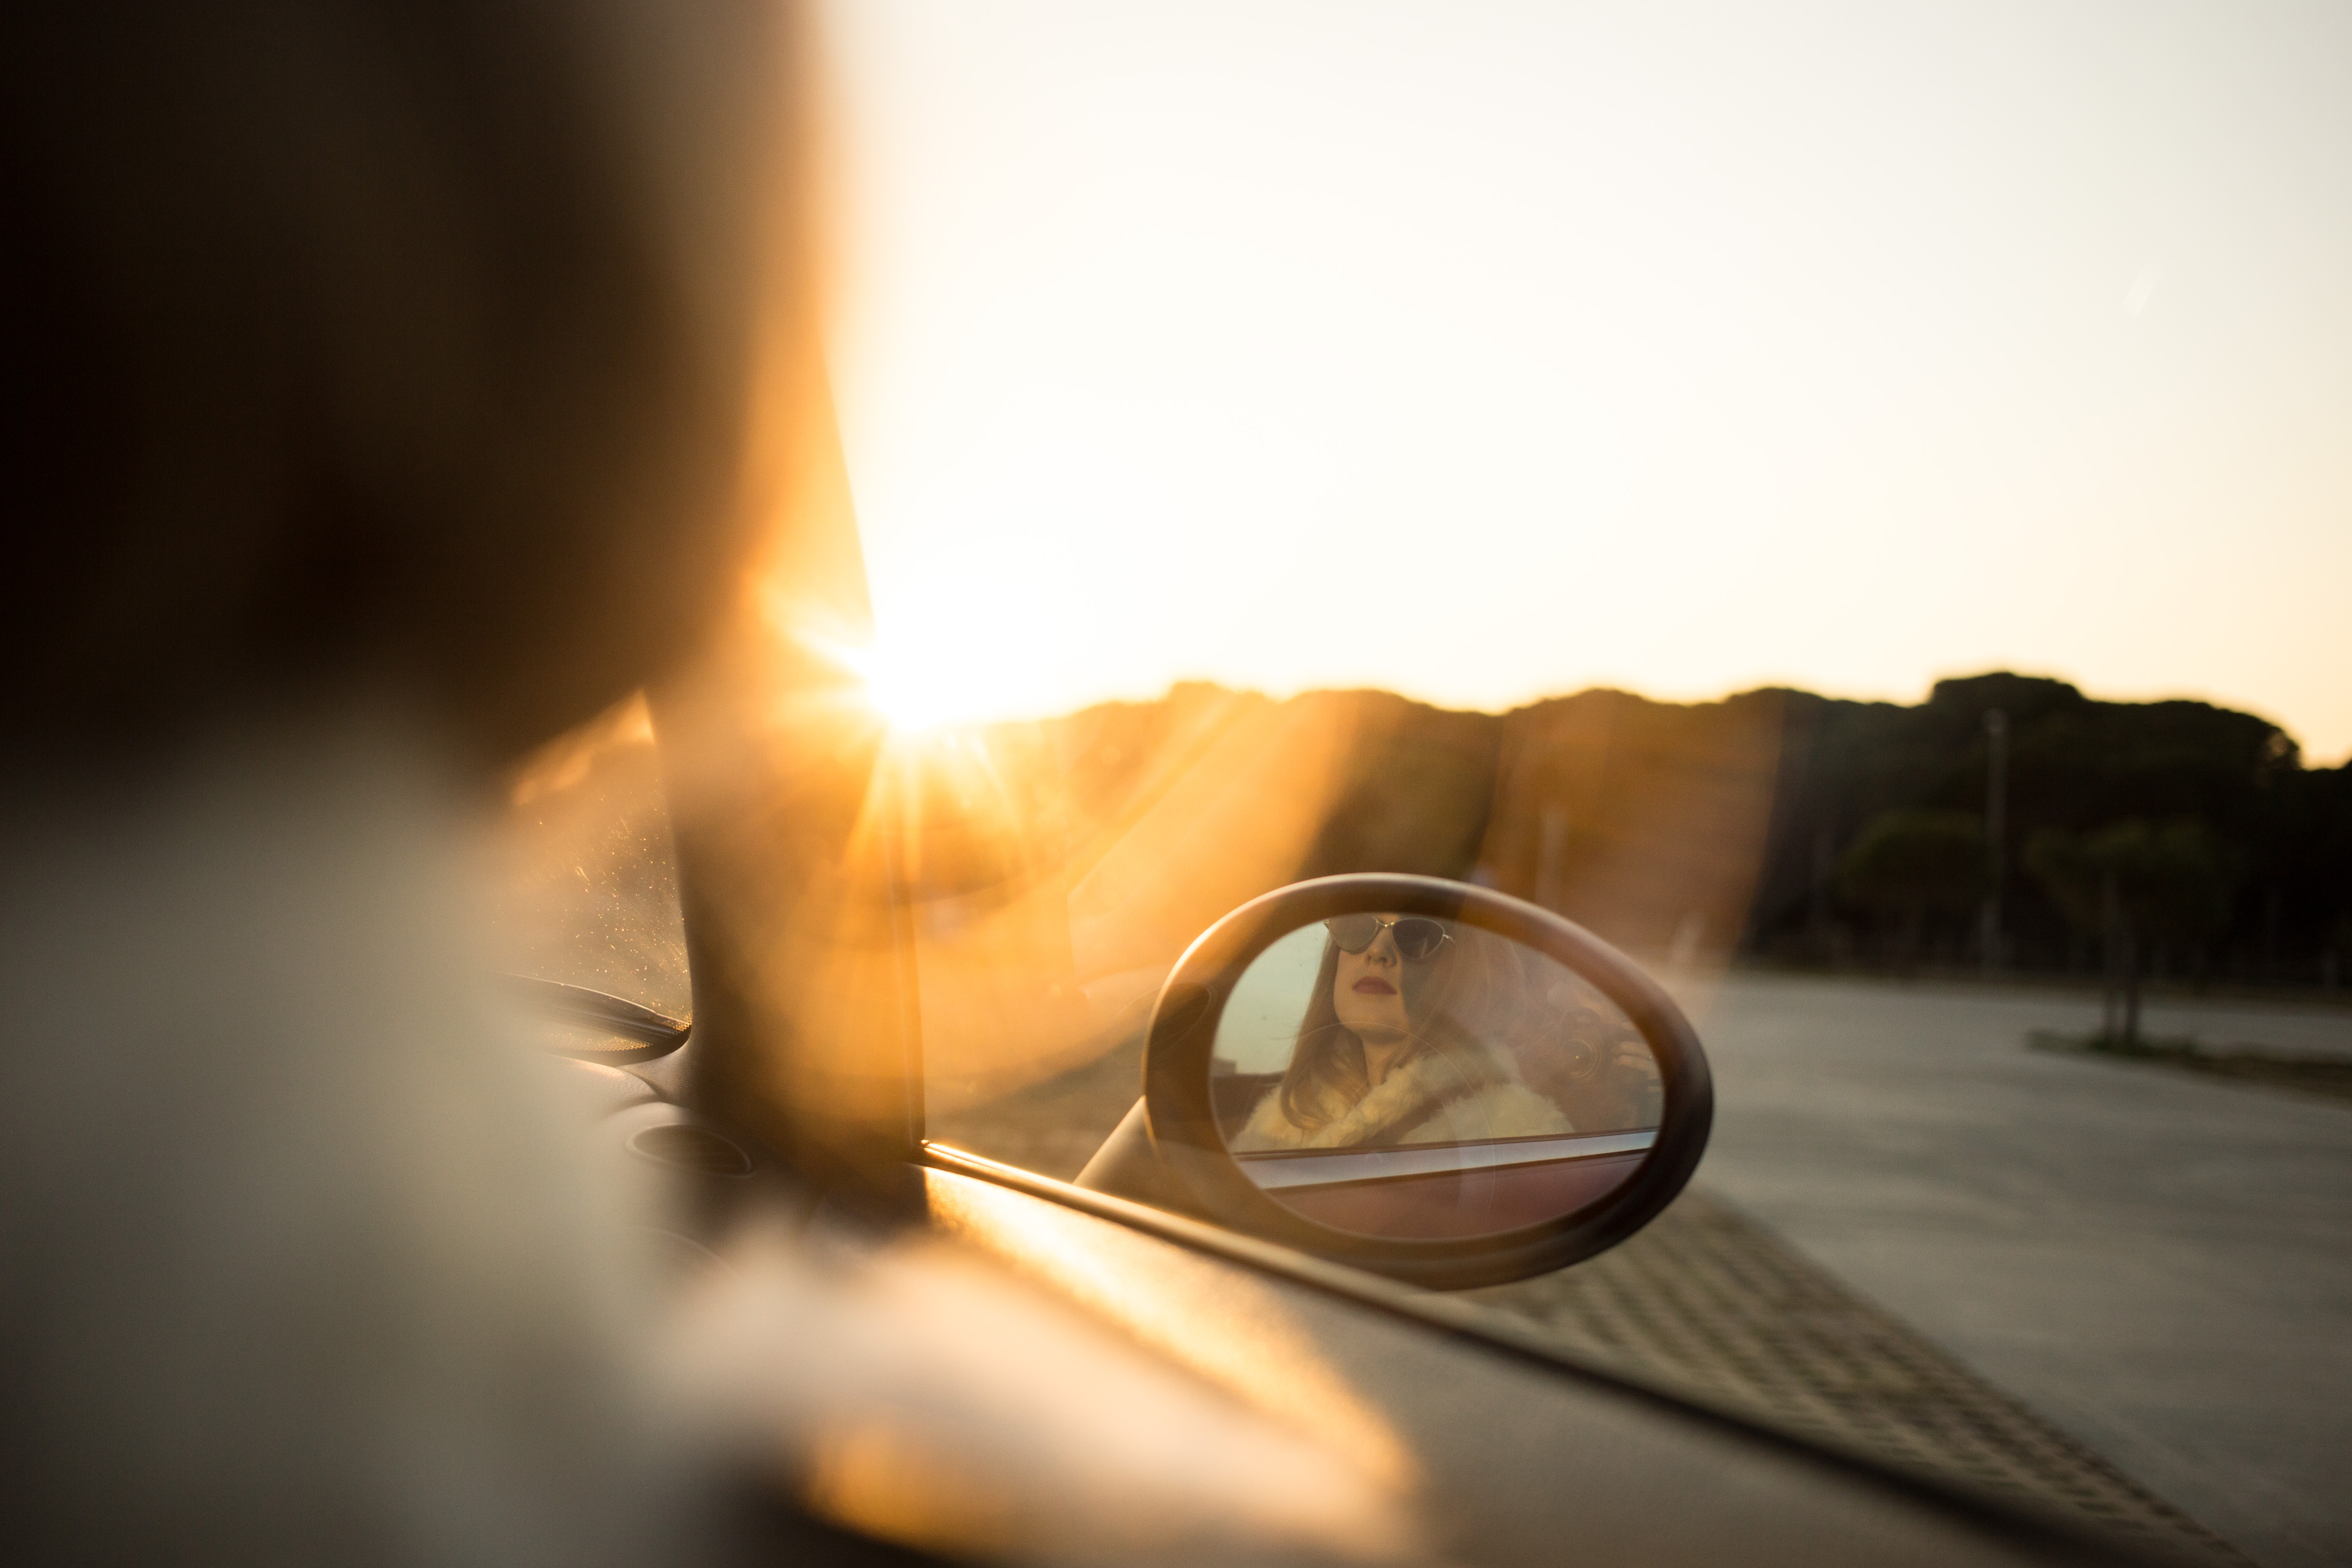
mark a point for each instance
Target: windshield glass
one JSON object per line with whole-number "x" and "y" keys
{"x": 588, "y": 873}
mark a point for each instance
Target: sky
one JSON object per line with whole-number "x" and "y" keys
{"x": 1488, "y": 352}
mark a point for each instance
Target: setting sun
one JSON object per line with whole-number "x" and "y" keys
{"x": 915, "y": 689}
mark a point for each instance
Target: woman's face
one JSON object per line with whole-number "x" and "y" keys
{"x": 1368, "y": 992}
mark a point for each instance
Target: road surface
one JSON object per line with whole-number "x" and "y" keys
{"x": 2159, "y": 1263}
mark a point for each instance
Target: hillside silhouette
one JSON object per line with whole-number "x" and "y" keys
{"x": 1698, "y": 827}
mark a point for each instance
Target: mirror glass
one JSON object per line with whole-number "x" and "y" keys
{"x": 1406, "y": 1077}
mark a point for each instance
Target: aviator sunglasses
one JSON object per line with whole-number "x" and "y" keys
{"x": 1417, "y": 939}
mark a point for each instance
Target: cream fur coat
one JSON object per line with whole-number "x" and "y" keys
{"x": 1462, "y": 1095}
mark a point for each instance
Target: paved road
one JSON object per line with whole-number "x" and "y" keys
{"x": 2161, "y": 1264}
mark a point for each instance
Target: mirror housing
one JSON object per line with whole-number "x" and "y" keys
{"x": 1172, "y": 1151}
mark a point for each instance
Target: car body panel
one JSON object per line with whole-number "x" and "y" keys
{"x": 1511, "y": 1455}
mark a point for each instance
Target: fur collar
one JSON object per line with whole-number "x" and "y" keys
{"x": 1414, "y": 1091}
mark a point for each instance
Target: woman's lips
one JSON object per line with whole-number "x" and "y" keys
{"x": 1373, "y": 986}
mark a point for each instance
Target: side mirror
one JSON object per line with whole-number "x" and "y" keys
{"x": 1426, "y": 1080}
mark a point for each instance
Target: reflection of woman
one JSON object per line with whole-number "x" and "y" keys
{"x": 1393, "y": 1047}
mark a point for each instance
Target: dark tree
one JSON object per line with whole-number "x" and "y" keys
{"x": 2135, "y": 883}
{"x": 1912, "y": 864}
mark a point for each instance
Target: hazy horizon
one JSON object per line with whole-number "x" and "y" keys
{"x": 1169, "y": 690}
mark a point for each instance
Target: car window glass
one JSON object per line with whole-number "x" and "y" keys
{"x": 589, "y": 878}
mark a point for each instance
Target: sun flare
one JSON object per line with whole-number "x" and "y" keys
{"x": 910, "y": 694}
{"x": 907, "y": 703}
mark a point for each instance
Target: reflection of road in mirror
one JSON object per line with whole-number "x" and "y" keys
{"x": 1499, "y": 1089}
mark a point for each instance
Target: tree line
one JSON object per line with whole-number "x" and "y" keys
{"x": 2176, "y": 838}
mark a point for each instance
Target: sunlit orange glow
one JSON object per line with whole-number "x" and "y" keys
{"x": 1241, "y": 1337}
{"x": 925, "y": 1422}
{"x": 565, "y": 761}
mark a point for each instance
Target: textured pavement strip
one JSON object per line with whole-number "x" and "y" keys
{"x": 1708, "y": 1301}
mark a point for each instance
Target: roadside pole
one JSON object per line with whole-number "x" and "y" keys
{"x": 1996, "y": 813}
